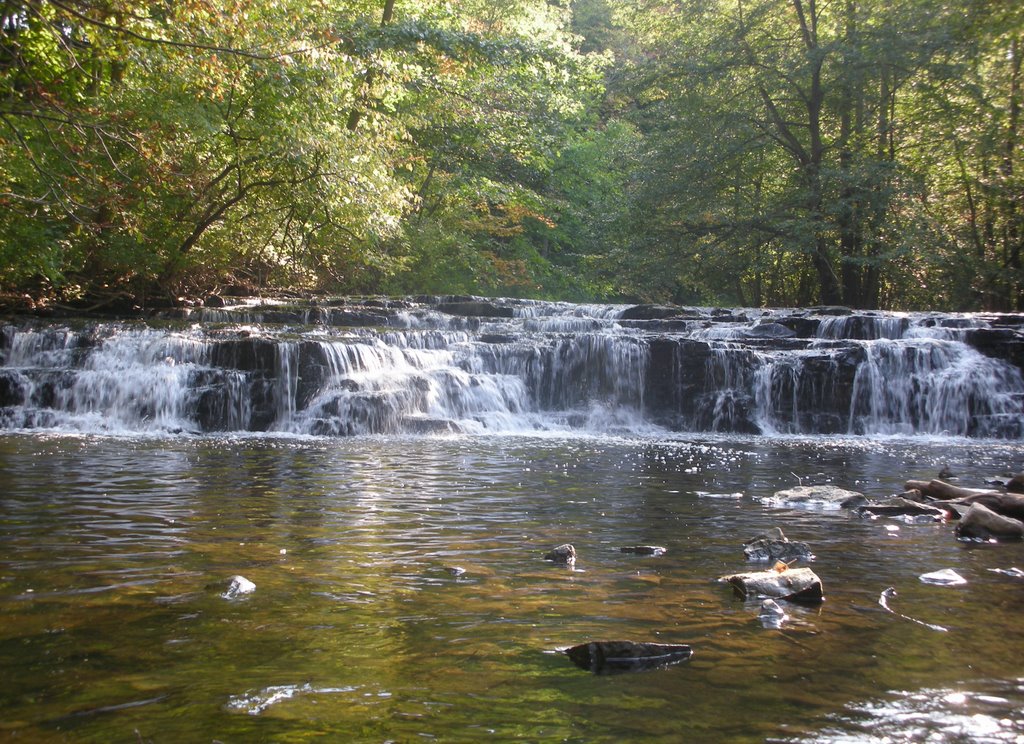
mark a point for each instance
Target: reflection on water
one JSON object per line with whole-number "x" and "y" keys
{"x": 401, "y": 592}
{"x": 977, "y": 717}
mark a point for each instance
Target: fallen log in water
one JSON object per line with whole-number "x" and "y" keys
{"x": 602, "y": 657}
{"x": 1006, "y": 504}
{"x": 943, "y": 491}
{"x": 983, "y": 523}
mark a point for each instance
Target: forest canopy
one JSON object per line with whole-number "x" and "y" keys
{"x": 734, "y": 152}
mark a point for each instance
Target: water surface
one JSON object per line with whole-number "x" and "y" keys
{"x": 117, "y": 553}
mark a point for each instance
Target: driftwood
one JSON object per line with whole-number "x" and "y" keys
{"x": 603, "y": 657}
{"x": 1007, "y": 504}
{"x": 983, "y": 523}
{"x": 942, "y": 491}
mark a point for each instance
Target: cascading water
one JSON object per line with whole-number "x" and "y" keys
{"x": 441, "y": 365}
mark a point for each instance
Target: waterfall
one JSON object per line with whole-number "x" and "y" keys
{"x": 447, "y": 365}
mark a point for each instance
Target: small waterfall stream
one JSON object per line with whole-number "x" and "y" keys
{"x": 441, "y": 365}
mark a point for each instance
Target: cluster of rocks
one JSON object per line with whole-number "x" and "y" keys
{"x": 981, "y": 515}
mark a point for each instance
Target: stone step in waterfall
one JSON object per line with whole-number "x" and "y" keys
{"x": 427, "y": 365}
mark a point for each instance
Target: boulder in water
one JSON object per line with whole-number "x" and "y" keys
{"x": 607, "y": 657}
{"x": 794, "y": 584}
{"x": 981, "y": 523}
{"x": 826, "y": 496}
{"x": 774, "y": 546}
{"x": 943, "y": 577}
{"x": 564, "y": 553}
{"x": 239, "y": 585}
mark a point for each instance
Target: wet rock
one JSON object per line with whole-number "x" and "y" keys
{"x": 944, "y": 577}
{"x": 774, "y": 546}
{"x": 239, "y": 585}
{"x": 565, "y": 553}
{"x": 654, "y": 550}
{"x": 827, "y": 496}
{"x": 214, "y": 301}
{"x": 609, "y": 657}
{"x": 496, "y": 338}
{"x": 357, "y": 319}
{"x": 456, "y": 571}
{"x": 419, "y": 425}
{"x": 794, "y": 584}
{"x": 770, "y": 330}
{"x": 649, "y": 312}
{"x": 901, "y": 507}
{"x": 771, "y": 614}
{"x": 1016, "y": 484}
{"x": 981, "y": 523}
{"x": 475, "y": 309}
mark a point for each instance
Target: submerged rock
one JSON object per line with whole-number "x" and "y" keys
{"x": 565, "y": 553}
{"x": 654, "y": 550}
{"x": 1013, "y": 571}
{"x": 794, "y": 584}
{"x": 771, "y": 614}
{"x": 981, "y": 523}
{"x": 775, "y": 546}
{"x": 606, "y": 657}
{"x": 943, "y": 577}
{"x": 239, "y": 585}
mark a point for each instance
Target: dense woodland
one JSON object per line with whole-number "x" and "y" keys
{"x": 740, "y": 152}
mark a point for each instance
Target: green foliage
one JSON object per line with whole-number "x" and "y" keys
{"x": 715, "y": 151}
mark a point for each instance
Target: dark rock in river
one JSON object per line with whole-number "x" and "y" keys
{"x": 607, "y": 657}
{"x": 475, "y": 309}
{"x": 774, "y": 546}
{"x": 770, "y": 330}
{"x": 214, "y": 301}
{"x": 644, "y": 550}
{"x": 565, "y": 553}
{"x": 981, "y": 523}
{"x": 649, "y": 312}
{"x": 794, "y": 584}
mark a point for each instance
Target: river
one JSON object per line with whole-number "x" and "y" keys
{"x": 401, "y": 594}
